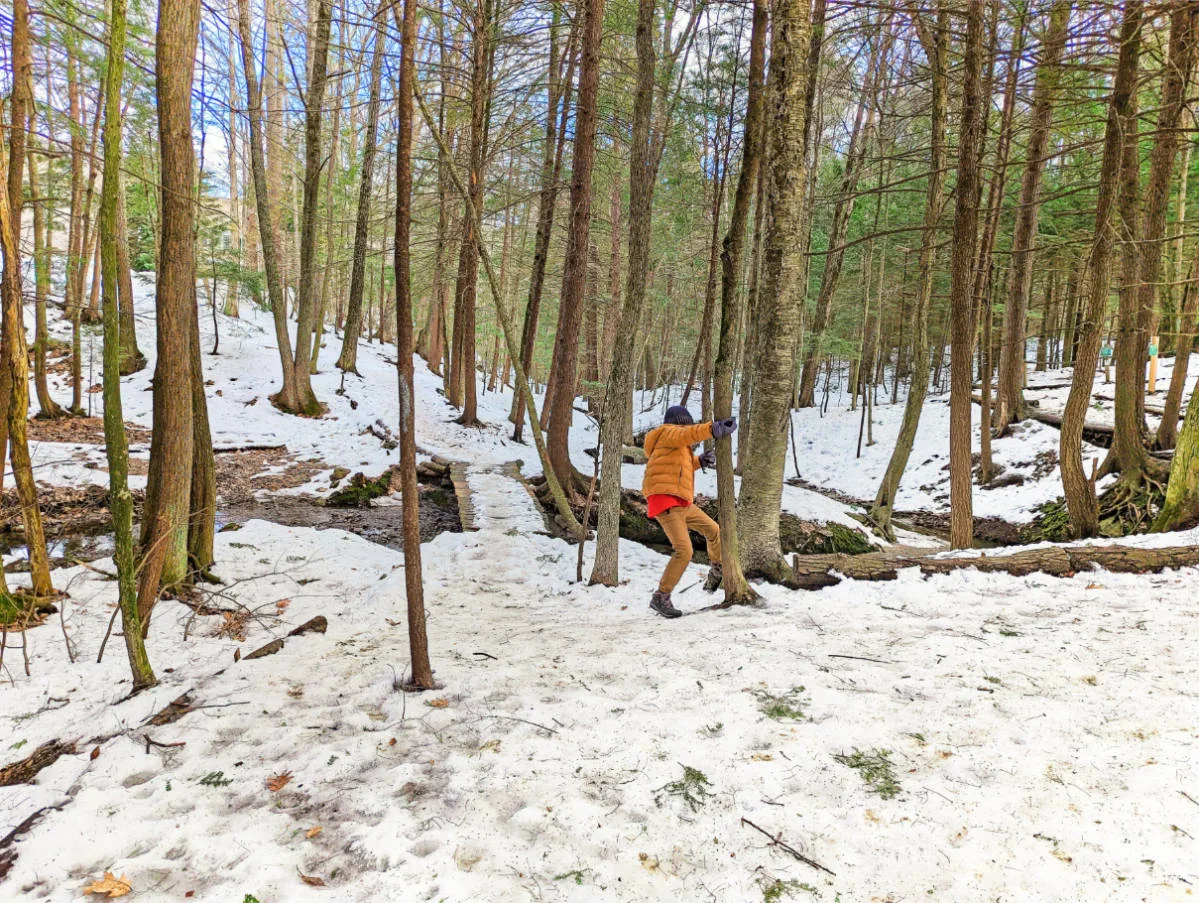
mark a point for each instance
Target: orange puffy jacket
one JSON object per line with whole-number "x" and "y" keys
{"x": 671, "y": 465}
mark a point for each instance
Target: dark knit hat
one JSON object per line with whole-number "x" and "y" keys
{"x": 677, "y": 415}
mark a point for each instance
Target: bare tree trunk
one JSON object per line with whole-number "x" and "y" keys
{"x": 1079, "y": 490}
{"x": 985, "y": 271}
{"x": 1167, "y": 433}
{"x": 14, "y": 359}
{"x": 762, "y": 483}
{"x": 965, "y": 232}
{"x": 168, "y": 487}
{"x": 643, "y": 172}
{"x": 306, "y": 401}
{"x": 559, "y": 405}
{"x": 120, "y": 500}
{"x": 1183, "y": 24}
{"x": 418, "y": 643}
{"x": 48, "y": 408}
{"x": 558, "y": 98}
{"x": 736, "y": 589}
{"x": 267, "y": 223}
{"x": 353, "y": 328}
{"x": 855, "y": 154}
{"x": 132, "y": 359}
{"x": 936, "y": 48}
{"x": 1011, "y": 360}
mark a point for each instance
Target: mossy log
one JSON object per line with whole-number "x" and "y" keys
{"x": 359, "y": 491}
{"x": 816, "y": 571}
{"x": 797, "y": 536}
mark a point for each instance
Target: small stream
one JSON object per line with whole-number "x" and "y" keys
{"x": 382, "y": 525}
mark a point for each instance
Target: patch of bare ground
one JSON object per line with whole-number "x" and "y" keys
{"x": 243, "y": 473}
{"x": 80, "y": 430}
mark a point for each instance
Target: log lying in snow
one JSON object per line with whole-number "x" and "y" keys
{"x": 1096, "y": 433}
{"x": 816, "y": 571}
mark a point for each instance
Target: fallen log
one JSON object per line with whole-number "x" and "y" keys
{"x": 24, "y": 771}
{"x": 1096, "y": 433}
{"x": 816, "y": 571}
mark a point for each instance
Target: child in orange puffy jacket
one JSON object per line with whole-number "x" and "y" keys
{"x": 669, "y": 490}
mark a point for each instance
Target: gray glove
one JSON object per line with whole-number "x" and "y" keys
{"x": 707, "y": 459}
{"x": 722, "y": 428}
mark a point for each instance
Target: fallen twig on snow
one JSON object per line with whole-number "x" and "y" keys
{"x": 777, "y": 841}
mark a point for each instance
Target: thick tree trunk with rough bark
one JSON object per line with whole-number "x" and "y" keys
{"x": 780, "y": 292}
{"x": 965, "y": 236}
{"x": 560, "y": 404}
{"x": 736, "y": 589}
{"x": 1079, "y": 489}
{"x": 168, "y": 487}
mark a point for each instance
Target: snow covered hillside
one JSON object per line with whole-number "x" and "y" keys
{"x": 964, "y": 737}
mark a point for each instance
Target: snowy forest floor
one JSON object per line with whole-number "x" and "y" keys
{"x": 961, "y": 737}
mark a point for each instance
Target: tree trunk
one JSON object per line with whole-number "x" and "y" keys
{"x": 14, "y": 354}
{"x": 565, "y": 514}
{"x": 120, "y": 500}
{"x": 286, "y": 398}
{"x": 835, "y": 257}
{"x": 558, "y": 98}
{"x": 736, "y": 589}
{"x": 168, "y": 487}
{"x": 1183, "y": 24}
{"x": 781, "y": 291}
{"x": 306, "y": 305}
{"x": 1079, "y": 490}
{"x": 985, "y": 271}
{"x": 560, "y": 404}
{"x": 643, "y": 171}
{"x": 936, "y": 48}
{"x": 1011, "y": 360}
{"x": 965, "y": 232}
{"x": 418, "y": 643}
{"x": 1167, "y": 432}
{"x": 353, "y": 327}
{"x": 132, "y": 359}
{"x": 48, "y": 408}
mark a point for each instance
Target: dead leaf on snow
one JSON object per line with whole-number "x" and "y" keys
{"x": 440, "y": 703}
{"x": 109, "y": 886}
{"x": 282, "y": 604}
{"x": 312, "y": 832}
{"x": 312, "y": 880}
{"x": 490, "y": 745}
{"x": 763, "y": 757}
{"x": 278, "y": 782}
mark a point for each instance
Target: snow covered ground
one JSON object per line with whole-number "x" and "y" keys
{"x": 1034, "y": 738}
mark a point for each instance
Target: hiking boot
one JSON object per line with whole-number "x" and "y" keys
{"x": 662, "y": 605}
{"x": 715, "y": 579}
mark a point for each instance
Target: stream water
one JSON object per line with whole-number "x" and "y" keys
{"x": 382, "y": 525}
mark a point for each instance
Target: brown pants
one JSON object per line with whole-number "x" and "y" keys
{"x": 678, "y": 522}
